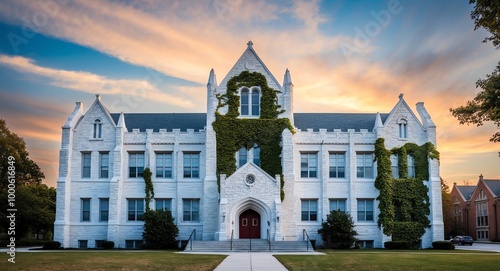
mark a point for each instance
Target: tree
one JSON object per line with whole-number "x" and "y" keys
{"x": 160, "y": 230}
{"x": 338, "y": 228}
{"x": 27, "y": 171}
{"x": 486, "y": 105}
{"x": 447, "y": 209}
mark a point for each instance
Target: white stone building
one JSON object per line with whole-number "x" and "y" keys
{"x": 327, "y": 164}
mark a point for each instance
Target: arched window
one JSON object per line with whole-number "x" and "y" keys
{"x": 250, "y": 102}
{"x": 242, "y": 156}
{"x": 256, "y": 154}
{"x": 403, "y": 129}
{"x": 245, "y": 102}
{"x": 97, "y": 128}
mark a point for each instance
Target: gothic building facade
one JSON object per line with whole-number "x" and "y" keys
{"x": 326, "y": 163}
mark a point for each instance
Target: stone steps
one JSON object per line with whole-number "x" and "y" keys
{"x": 254, "y": 245}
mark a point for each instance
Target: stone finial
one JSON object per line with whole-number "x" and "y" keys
{"x": 401, "y": 96}
{"x": 288, "y": 78}
{"x": 98, "y": 97}
{"x": 212, "y": 80}
{"x": 378, "y": 122}
{"x": 481, "y": 177}
{"x": 250, "y": 43}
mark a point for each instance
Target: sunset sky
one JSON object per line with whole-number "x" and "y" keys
{"x": 155, "y": 56}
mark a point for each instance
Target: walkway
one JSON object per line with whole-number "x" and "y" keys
{"x": 256, "y": 261}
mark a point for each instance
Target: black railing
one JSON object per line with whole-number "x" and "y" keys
{"x": 269, "y": 239}
{"x": 304, "y": 235}
{"x": 232, "y": 239}
{"x": 192, "y": 237}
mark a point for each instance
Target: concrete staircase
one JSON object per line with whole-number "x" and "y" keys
{"x": 246, "y": 245}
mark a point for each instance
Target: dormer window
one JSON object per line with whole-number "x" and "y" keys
{"x": 97, "y": 129}
{"x": 250, "y": 102}
{"x": 403, "y": 129}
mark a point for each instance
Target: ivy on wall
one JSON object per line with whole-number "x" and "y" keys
{"x": 149, "y": 189}
{"x": 233, "y": 133}
{"x": 404, "y": 202}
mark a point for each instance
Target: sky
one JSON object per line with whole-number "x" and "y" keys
{"x": 155, "y": 56}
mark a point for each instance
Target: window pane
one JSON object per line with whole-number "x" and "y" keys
{"x": 244, "y": 102}
{"x": 104, "y": 165}
{"x": 256, "y": 155}
{"x": 86, "y": 165}
{"x": 255, "y": 103}
{"x": 242, "y": 156}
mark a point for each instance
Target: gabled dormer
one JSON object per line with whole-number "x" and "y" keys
{"x": 96, "y": 124}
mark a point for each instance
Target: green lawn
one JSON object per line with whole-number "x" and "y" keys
{"x": 373, "y": 260}
{"x": 112, "y": 260}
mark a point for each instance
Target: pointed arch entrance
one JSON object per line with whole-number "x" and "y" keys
{"x": 249, "y": 224}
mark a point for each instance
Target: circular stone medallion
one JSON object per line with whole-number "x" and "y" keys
{"x": 250, "y": 179}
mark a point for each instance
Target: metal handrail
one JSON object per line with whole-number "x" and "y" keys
{"x": 304, "y": 234}
{"x": 232, "y": 239}
{"x": 191, "y": 238}
{"x": 269, "y": 239}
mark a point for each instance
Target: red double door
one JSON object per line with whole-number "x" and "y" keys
{"x": 250, "y": 224}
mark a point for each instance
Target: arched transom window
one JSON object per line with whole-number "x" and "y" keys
{"x": 97, "y": 129}
{"x": 250, "y": 102}
{"x": 403, "y": 128}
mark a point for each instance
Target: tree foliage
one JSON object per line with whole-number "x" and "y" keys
{"x": 160, "y": 230}
{"x": 27, "y": 171}
{"x": 486, "y": 105}
{"x": 338, "y": 228}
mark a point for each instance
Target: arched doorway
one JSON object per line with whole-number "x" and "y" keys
{"x": 249, "y": 224}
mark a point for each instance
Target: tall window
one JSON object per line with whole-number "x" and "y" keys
{"x": 191, "y": 165}
{"x": 250, "y": 102}
{"x": 85, "y": 209}
{"x": 135, "y": 209}
{"x": 103, "y": 209}
{"x": 163, "y": 165}
{"x": 191, "y": 210}
{"x": 308, "y": 165}
{"x": 256, "y": 154}
{"x": 364, "y": 165}
{"x": 97, "y": 129}
{"x": 394, "y": 166}
{"x": 163, "y": 204}
{"x": 309, "y": 209}
{"x": 403, "y": 129}
{"x": 136, "y": 165}
{"x": 337, "y": 204}
{"x": 242, "y": 156}
{"x": 365, "y": 209}
{"x": 411, "y": 167}
{"x": 337, "y": 165}
{"x": 86, "y": 161}
{"x": 482, "y": 214}
{"x": 103, "y": 165}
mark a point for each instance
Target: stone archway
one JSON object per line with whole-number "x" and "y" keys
{"x": 251, "y": 208}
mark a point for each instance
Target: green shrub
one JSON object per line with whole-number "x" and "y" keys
{"x": 338, "y": 228}
{"x": 160, "y": 231}
{"x": 52, "y": 245}
{"x": 108, "y": 244}
{"x": 443, "y": 245}
{"x": 397, "y": 245}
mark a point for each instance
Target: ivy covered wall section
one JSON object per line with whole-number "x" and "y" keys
{"x": 404, "y": 202}
{"x": 233, "y": 133}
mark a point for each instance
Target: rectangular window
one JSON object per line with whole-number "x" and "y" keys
{"x": 163, "y": 165}
{"x": 85, "y": 209}
{"x": 308, "y": 165}
{"x": 135, "y": 209}
{"x": 136, "y": 165}
{"x": 99, "y": 243}
{"x": 482, "y": 214}
{"x": 86, "y": 164}
{"x": 309, "y": 209}
{"x": 130, "y": 244}
{"x": 191, "y": 210}
{"x": 245, "y": 102}
{"x": 163, "y": 204}
{"x": 411, "y": 167}
{"x": 337, "y": 165}
{"x": 364, "y": 165}
{"x": 365, "y": 209}
{"x": 103, "y": 165}
{"x": 337, "y": 204}
{"x": 83, "y": 244}
{"x": 255, "y": 103}
{"x": 103, "y": 209}
{"x": 191, "y": 165}
{"x": 394, "y": 166}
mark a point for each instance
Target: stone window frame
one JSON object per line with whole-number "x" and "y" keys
{"x": 250, "y": 107}
{"x": 309, "y": 214}
{"x": 403, "y": 128}
{"x": 164, "y": 167}
{"x": 306, "y": 169}
{"x": 97, "y": 128}
{"x": 337, "y": 165}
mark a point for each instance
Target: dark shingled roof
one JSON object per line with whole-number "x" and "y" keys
{"x": 466, "y": 191}
{"x": 342, "y": 121}
{"x": 494, "y": 185}
{"x": 197, "y": 121}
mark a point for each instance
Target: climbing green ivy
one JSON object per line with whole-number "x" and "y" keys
{"x": 149, "y": 189}
{"x": 404, "y": 202}
{"x": 232, "y": 133}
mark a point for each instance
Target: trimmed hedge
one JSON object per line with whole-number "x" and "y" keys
{"x": 443, "y": 245}
{"x": 52, "y": 245}
{"x": 397, "y": 245}
{"x": 108, "y": 244}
